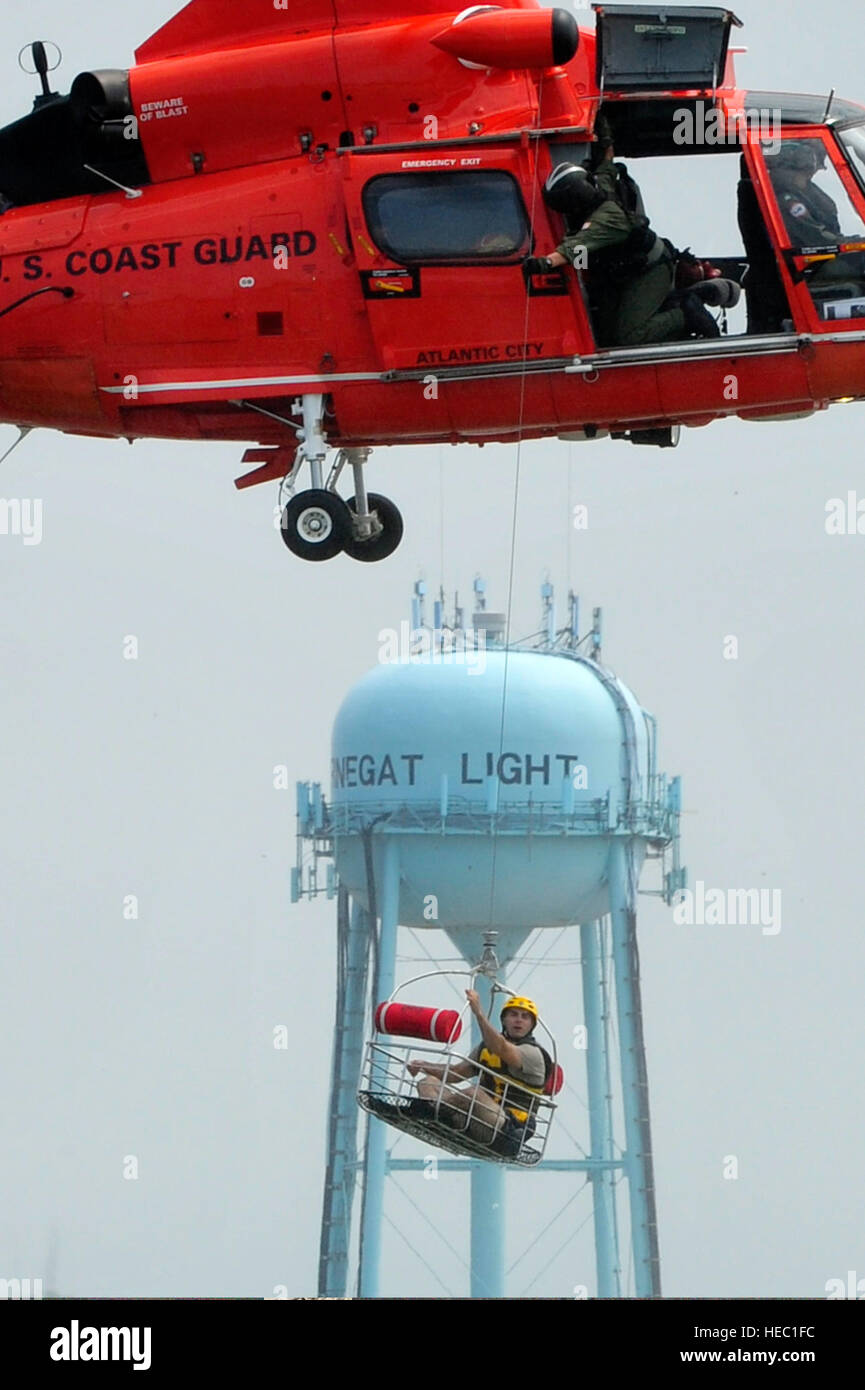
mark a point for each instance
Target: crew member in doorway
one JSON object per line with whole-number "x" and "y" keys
{"x": 498, "y": 1109}
{"x": 632, "y": 268}
{"x": 613, "y": 178}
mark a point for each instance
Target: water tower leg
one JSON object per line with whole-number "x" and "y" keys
{"x": 635, "y": 1091}
{"x": 600, "y": 1119}
{"x": 488, "y": 1214}
{"x": 354, "y": 925}
{"x": 488, "y": 1230}
{"x": 376, "y": 1153}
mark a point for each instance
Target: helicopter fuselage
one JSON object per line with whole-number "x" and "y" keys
{"x": 256, "y": 218}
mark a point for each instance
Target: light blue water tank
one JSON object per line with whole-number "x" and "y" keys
{"x": 502, "y": 782}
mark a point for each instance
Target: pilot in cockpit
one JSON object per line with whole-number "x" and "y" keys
{"x": 810, "y": 215}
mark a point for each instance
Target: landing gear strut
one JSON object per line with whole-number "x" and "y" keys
{"x": 318, "y": 524}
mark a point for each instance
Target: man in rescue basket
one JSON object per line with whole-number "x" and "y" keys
{"x": 499, "y": 1108}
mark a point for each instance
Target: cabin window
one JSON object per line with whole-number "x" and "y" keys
{"x": 819, "y": 218}
{"x": 448, "y": 218}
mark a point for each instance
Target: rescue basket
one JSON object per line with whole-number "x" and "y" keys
{"x": 462, "y": 1117}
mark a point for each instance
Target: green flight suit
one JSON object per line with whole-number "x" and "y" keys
{"x": 629, "y": 312}
{"x": 615, "y": 181}
{"x": 810, "y": 215}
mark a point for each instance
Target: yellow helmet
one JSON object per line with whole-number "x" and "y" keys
{"x": 517, "y": 1001}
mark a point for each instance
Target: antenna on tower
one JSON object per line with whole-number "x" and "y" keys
{"x": 573, "y": 621}
{"x": 548, "y": 621}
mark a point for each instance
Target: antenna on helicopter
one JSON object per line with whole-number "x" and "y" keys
{"x": 41, "y": 68}
{"x": 130, "y": 192}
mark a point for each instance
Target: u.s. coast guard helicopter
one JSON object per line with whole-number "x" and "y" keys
{"x": 304, "y": 226}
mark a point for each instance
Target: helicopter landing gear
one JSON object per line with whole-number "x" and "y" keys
{"x": 383, "y": 542}
{"x": 317, "y": 524}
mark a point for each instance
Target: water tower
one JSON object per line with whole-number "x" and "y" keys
{"x": 482, "y": 784}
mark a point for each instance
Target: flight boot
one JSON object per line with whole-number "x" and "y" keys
{"x": 698, "y": 320}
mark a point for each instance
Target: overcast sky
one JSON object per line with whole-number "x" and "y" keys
{"x": 153, "y": 1038}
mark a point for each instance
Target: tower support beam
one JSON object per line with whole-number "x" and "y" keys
{"x": 488, "y": 1215}
{"x": 635, "y": 1095}
{"x": 353, "y": 935}
{"x": 387, "y": 892}
{"x": 595, "y": 997}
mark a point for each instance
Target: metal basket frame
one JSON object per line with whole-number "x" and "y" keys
{"x": 388, "y": 1091}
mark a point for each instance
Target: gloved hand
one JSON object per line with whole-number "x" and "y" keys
{"x": 537, "y": 265}
{"x": 690, "y": 271}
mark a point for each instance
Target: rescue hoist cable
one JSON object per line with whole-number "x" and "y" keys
{"x": 532, "y": 215}
{"x": 435, "y": 961}
{"x": 372, "y": 908}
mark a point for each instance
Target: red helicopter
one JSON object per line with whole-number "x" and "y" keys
{"x": 306, "y": 223}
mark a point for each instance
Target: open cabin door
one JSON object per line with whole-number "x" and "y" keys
{"x": 666, "y": 48}
{"x": 439, "y": 240}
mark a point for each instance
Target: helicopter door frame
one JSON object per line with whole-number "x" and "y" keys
{"x": 576, "y": 287}
{"x": 791, "y": 262}
{"x": 466, "y": 312}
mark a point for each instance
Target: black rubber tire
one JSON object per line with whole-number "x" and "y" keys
{"x": 309, "y": 509}
{"x": 384, "y": 544}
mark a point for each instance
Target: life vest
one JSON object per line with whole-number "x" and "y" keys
{"x": 629, "y": 195}
{"x": 643, "y": 247}
{"x": 631, "y": 258}
{"x": 517, "y": 1099}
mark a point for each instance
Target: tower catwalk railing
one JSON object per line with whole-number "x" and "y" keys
{"x": 654, "y": 819}
{"x": 645, "y": 1128}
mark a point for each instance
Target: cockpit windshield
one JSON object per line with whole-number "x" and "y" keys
{"x": 816, "y": 207}
{"x": 825, "y": 230}
{"x": 853, "y": 141}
